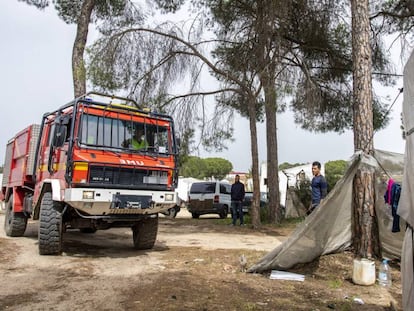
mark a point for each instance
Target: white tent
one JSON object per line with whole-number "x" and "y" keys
{"x": 289, "y": 178}
{"x": 406, "y": 206}
{"x": 294, "y": 172}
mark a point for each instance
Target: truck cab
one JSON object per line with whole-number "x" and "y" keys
{"x": 98, "y": 162}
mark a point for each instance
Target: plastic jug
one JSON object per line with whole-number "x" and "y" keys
{"x": 363, "y": 272}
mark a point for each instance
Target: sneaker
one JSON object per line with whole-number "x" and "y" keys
{"x": 231, "y": 224}
{"x": 242, "y": 225}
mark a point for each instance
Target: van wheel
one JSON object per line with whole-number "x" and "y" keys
{"x": 144, "y": 233}
{"x": 172, "y": 212}
{"x": 14, "y": 223}
{"x": 223, "y": 214}
{"x": 50, "y": 226}
{"x": 195, "y": 215}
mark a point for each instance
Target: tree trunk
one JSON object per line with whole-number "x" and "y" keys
{"x": 255, "y": 209}
{"x": 272, "y": 159}
{"x": 365, "y": 229}
{"x": 266, "y": 15}
{"x": 78, "y": 64}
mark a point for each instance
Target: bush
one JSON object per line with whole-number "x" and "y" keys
{"x": 334, "y": 170}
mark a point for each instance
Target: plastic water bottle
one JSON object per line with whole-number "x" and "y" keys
{"x": 384, "y": 274}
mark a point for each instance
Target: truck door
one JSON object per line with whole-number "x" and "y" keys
{"x": 54, "y": 147}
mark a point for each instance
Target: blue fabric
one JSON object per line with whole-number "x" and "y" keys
{"x": 319, "y": 189}
{"x": 395, "y": 198}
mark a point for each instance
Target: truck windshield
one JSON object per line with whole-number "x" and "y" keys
{"x": 99, "y": 131}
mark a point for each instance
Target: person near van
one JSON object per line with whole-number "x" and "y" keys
{"x": 319, "y": 186}
{"x": 237, "y": 197}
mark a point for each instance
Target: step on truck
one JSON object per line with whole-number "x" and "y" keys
{"x": 95, "y": 163}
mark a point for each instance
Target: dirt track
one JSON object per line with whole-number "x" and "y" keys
{"x": 96, "y": 271}
{"x": 193, "y": 266}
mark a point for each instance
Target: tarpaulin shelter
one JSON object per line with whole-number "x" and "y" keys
{"x": 328, "y": 229}
{"x": 406, "y": 206}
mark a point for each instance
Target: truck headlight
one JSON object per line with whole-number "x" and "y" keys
{"x": 169, "y": 197}
{"x": 88, "y": 195}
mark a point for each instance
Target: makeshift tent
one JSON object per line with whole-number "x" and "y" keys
{"x": 294, "y": 207}
{"x": 328, "y": 229}
{"x": 406, "y": 206}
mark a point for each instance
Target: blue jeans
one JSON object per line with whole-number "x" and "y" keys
{"x": 237, "y": 210}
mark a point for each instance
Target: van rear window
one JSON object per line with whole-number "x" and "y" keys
{"x": 203, "y": 188}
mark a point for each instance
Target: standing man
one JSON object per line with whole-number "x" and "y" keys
{"x": 319, "y": 186}
{"x": 237, "y": 197}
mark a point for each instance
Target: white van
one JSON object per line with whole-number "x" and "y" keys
{"x": 209, "y": 197}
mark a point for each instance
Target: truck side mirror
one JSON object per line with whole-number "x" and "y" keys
{"x": 60, "y": 135}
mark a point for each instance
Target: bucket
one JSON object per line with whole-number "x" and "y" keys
{"x": 363, "y": 272}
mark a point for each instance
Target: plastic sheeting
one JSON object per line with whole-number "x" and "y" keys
{"x": 328, "y": 229}
{"x": 406, "y": 206}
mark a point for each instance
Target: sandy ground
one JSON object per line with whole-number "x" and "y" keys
{"x": 105, "y": 255}
{"x": 113, "y": 247}
{"x": 194, "y": 235}
{"x": 193, "y": 266}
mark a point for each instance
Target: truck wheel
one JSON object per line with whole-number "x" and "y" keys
{"x": 144, "y": 233}
{"x": 195, "y": 215}
{"x": 14, "y": 223}
{"x": 50, "y": 226}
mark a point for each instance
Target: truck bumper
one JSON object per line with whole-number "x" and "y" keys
{"x": 119, "y": 201}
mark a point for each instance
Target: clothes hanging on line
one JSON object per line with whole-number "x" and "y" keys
{"x": 392, "y": 197}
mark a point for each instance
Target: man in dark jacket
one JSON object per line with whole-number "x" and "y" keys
{"x": 237, "y": 197}
{"x": 319, "y": 186}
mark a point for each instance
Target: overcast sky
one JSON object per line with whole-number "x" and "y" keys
{"x": 35, "y": 63}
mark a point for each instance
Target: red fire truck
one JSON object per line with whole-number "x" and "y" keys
{"x": 85, "y": 168}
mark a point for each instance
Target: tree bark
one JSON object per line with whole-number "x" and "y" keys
{"x": 365, "y": 229}
{"x": 255, "y": 215}
{"x": 267, "y": 12}
{"x": 78, "y": 63}
{"x": 272, "y": 158}
{"x": 365, "y": 233}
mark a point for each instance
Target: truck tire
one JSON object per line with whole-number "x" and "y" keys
{"x": 14, "y": 223}
{"x": 50, "y": 226}
{"x": 195, "y": 215}
{"x": 144, "y": 233}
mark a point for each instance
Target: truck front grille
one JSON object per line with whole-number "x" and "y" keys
{"x": 116, "y": 176}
